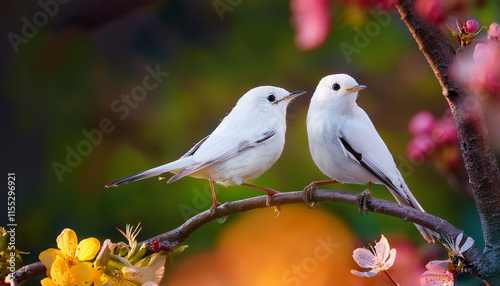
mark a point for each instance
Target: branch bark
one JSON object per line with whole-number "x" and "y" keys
{"x": 480, "y": 162}
{"x": 26, "y": 272}
{"x": 172, "y": 239}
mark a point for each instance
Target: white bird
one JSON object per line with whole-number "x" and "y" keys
{"x": 247, "y": 142}
{"x": 345, "y": 145}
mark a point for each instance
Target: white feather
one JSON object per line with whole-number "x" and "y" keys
{"x": 247, "y": 142}
{"x": 345, "y": 145}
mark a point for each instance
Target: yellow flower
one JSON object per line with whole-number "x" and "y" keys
{"x": 67, "y": 265}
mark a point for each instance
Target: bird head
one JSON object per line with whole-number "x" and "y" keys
{"x": 337, "y": 86}
{"x": 268, "y": 99}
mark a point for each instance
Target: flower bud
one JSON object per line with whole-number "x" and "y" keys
{"x": 421, "y": 123}
{"x": 471, "y": 26}
{"x": 420, "y": 148}
{"x": 445, "y": 133}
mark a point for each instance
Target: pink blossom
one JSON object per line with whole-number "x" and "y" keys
{"x": 420, "y": 148}
{"x": 311, "y": 19}
{"x": 421, "y": 123}
{"x": 437, "y": 274}
{"x": 481, "y": 72}
{"x": 384, "y": 4}
{"x": 445, "y": 133}
{"x": 472, "y": 26}
{"x": 494, "y": 32}
{"x": 434, "y": 11}
{"x": 377, "y": 259}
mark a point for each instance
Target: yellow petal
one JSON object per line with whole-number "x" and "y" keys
{"x": 95, "y": 276}
{"x": 48, "y": 257}
{"x": 107, "y": 280}
{"x": 87, "y": 249}
{"x": 59, "y": 272}
{"x": 80, "y": 273}
{"x": 48, "y": 282}
{"x": 67, "y": 242}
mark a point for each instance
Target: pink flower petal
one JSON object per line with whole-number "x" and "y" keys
{"x": 370, "y": 273}
{"x": 494, "y": 32}
{"x": 438, "y": 265}
{"x": 382, "y": 249}
{"x": 482, "y": 53}
{"x": 421, "y": 123}
{"x": 389, "y": 261}
{"x": 420, "y": 148}
{"x": 364, "y": 258}
{"x": 433, "y": 11}
{"x": 481, "y": 72}
{"x": 311, "y": 19}
{"x": 445, "y": 133}
{"x": 436, "y": 278}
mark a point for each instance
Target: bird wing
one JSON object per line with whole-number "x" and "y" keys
{"x": 195, "y": 148}
{"x": 362, "y": 143}
{"x": 218, "y": 148}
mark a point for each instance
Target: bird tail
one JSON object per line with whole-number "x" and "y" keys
{"x": 169, "y": 167}
{"x": 410, "y": 200}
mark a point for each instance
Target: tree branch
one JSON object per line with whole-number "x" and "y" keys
{"x": 26, "y": 272}
{"x": 172, "y": 239}
{"x": 480, "y": 162}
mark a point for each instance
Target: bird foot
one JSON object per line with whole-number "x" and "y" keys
{"x": 270, "y": 193}
{"x": 277, "y": 210}
{"x": 214, "y": 206}
{"x": 308, "y": 193}
{"x": 363, "y": 200}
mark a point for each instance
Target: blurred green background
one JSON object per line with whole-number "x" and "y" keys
{"x": 73, "y": 72}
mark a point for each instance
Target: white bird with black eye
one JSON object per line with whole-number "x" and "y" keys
{"x": 247, "y": 142}
{"x": 346, "y": 147}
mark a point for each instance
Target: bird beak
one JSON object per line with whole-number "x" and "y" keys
{"x": 293, "y": 95}
{"x": 356, "y": 88}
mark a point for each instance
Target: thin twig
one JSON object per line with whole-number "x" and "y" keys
{"x": 390, "y": 278}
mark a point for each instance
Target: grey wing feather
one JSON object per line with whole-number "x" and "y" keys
{"x": 374, "y": 170}
{"x": 195, "y": 147}
{"x": 242, "y": 146}
{"x": 401, "y": 193}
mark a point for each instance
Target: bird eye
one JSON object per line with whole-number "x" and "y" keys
{"x": 271, "y": 98}
{"x": 335, "y": 86}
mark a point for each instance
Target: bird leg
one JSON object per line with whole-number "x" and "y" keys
{"x": 363, "y": 198}
{"x": 307, "y": 196}
{"x": 216, "y": 202}
{"x": 269, "y": 192}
